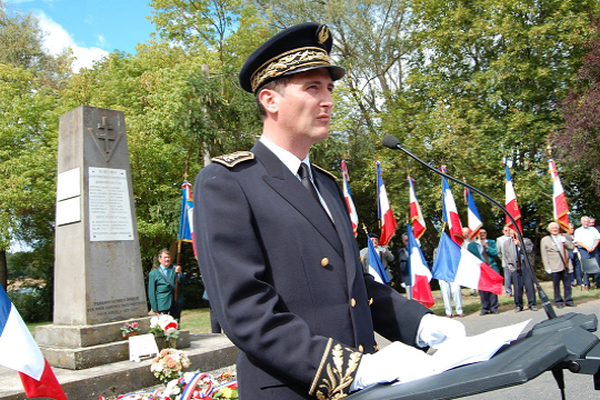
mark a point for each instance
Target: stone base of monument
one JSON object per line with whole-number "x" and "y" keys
{"x": 207, "y": 352}
{"x": 85, "y": 346}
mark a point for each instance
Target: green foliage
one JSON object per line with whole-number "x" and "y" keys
{"x": 578, "y": 144}
{"x": 462, "y": 83}
{"x": 485, "y": 81}
{"x": 34, "y": 303}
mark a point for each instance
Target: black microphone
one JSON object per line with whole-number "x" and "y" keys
{"x": 392, "y": 142}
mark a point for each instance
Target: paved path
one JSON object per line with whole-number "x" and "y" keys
{"x": 578, "y": 386}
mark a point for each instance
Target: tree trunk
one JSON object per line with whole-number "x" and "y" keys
{"x": 3, "y": 269}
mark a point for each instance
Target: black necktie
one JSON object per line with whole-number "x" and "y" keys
{"x": 305, "y": 177}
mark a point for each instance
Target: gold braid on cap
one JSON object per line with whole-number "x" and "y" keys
{"x": 287, "y": 62}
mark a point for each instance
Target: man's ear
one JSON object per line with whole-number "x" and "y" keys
{"x": 270, "y": 100}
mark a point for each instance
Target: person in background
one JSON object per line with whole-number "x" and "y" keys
{"x": 385, "y": 255}
{"x": 403, "y": 272}
{"x": 587, "y": 238}
{"x": 575, "y": 260}
{"x": 164, "y": 292}
{"x": 500, "y": 245}
{"x": 513, "y": 255}
{"x": 485, "y": 249}
{"x": 555, "y": 256}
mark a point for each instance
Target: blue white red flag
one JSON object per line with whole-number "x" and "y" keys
{"x": 420, "y": 275}
{"x": 186, "y": 228}
{"x": 386, "y": 216}
{"x": 21, "y": 353}
{"x": 511, "y": 200}
{"x": 348, "y": 198}
{"x": 559, "y": 200}
{"x": 416, "y": 216}
{"x": 455, "y": 264}
{"x": 449, "y": 211}
{"x": 473, "y": 218}
{"x": 375, "y": 267}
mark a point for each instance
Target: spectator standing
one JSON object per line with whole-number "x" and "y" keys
{"x": 521, "y": 275}
{"x": 500, "y": 245}
{"x": 555, "y": 256}
{"x": 586, "y": 239}
{"x": 485, "y": 249}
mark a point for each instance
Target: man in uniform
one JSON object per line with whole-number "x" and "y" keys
{"x": 277, "y": 251}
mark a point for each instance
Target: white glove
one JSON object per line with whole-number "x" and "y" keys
{"x": 397, "y": 361}
{"x": 434, "y": 330}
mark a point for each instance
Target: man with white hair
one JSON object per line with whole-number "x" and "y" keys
{"x": 587, "y": 239}
{"x": 555, "y": 256}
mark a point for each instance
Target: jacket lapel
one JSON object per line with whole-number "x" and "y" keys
{"x": 288, "y": 186}
{"x": 331, "y": 193}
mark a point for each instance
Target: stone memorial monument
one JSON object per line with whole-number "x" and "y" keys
{"x": 98, "y": 277}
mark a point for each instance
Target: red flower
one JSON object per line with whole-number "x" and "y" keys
{"x": 171, "y": 325}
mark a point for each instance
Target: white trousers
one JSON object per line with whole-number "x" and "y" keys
{"x": 451, "y": 288}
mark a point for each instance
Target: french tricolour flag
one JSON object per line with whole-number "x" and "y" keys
{"x": 473, "y": 218}
{"x": 19, "y": 351}
{"x": 561, "y": 208}
{"x": 450, "y": 213}
{"x": 420, "y": 275}
{"x": 511, "y": 200}
{"x": 375, "y": 266}
{"x": 386, "y": 216}
{"x": 186, "y": 228}
{"x": 416, "y": 216}
{"x": 455, "y": 264}
{"x": 348, "y": 198}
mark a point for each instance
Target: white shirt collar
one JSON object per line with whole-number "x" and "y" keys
{"x": 287, "y": 158}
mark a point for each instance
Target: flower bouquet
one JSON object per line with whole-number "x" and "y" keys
{"x": 163, "y": 325}
{"x": 169, "y": 364}
{"x": 128, "y": 329}
{"x": 198, "y": 385}
{"x": 191, "y": 385}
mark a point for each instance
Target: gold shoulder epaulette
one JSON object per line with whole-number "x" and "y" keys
{"x": 230, "y": 160}
{"x": 324, "y": 170}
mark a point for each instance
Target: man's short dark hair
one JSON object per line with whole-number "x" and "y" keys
{"x": 277, "y": 85}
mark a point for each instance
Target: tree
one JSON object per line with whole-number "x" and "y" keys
{"x": 486, "y": 80}
{"x": 578, "y": 144}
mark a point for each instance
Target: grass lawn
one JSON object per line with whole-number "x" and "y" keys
{"x": 198, "y": 320}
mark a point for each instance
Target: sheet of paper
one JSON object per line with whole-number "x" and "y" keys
{"x": 471, "y": 349}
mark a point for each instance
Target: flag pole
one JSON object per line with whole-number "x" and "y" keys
{"x": 392, "y": 142}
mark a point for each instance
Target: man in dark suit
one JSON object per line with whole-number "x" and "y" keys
{"x": 403, "y": 272}
{"x": 277, "y": 252}
{"x": 512, "y": 253}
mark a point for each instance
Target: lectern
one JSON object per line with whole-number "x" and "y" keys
{"x": 553, "y": 345}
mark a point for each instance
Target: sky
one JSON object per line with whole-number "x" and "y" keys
{"x": 92, "y": 28}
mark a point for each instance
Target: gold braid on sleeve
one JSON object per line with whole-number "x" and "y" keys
{"x": 336, "y": 372}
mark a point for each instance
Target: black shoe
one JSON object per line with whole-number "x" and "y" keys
{"x": 571, "y": 305}
{"x": 518, "y": 309}
{"x": 559, "y": 306}
{"x": 494, "y": 311}
{"x": 484, "y": 312}
{"x": 533, "y": 308}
